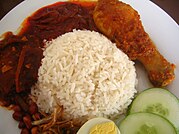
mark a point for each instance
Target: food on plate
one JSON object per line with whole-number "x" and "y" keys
{"x": 47, "y": 23}
{"x": 23, "y": 80}
{"x": 54, "y": 20}
{"x": 18, "y": 57}
{"x": 56, "y": 78}
{"x": 99, "y": 125}
{"x": 10, "y": 50}
{"x": 55, "y": 123}
{"x": 121, "y": 24}
{"x": 19, "y": 68}
{"x": 158, "y": 101}
{"x": 146, "y": 123}
{"x": 107, "y": 127}
{"x": 87, "y": 74}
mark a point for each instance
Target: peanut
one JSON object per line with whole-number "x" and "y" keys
{"x": 34, "y": 130}
{"x": 17, "y": 116}
{"x": 27, "y": 121}
{"x": 25, "y": 131}
{"x": 33, "y": 108}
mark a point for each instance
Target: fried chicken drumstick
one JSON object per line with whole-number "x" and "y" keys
{"x": 121, "y": 24}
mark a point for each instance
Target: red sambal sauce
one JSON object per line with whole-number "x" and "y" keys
{"x": 54, "y": 20}
{"x": 21, "y": 54}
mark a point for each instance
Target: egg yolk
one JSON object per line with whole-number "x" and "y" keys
{"x": 104, "y": 128}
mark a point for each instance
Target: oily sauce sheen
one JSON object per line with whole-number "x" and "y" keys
{"x": 21, "y": 54}
{"x": 54, "y": 20}
{"x": 45, "y": 24}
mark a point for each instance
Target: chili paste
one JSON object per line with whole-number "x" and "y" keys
{"x": 21, "y": 54}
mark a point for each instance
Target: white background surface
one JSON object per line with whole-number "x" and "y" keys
{"x": 161, "y": 28}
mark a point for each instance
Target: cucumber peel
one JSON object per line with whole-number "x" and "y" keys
{"x": 146, "y": 123}
{"x": 159, "y": 101}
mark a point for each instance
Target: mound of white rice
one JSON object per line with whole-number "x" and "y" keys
{"x": 87, "y": 74}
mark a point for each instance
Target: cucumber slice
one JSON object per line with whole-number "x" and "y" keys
{"x": 146, "y": 123}
{"x": 158, "y": 101}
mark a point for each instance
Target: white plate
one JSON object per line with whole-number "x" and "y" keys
{"x": 160, "y": 26}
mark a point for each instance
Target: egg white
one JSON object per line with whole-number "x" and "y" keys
{"x": 85, "y": 129}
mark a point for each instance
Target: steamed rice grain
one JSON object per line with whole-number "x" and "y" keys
{"x": 87, "y": 74}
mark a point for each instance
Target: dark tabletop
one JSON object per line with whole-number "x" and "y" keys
{"x": 170, "y": 6}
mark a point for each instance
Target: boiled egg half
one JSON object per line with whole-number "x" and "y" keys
{"x": 99, "y": 125}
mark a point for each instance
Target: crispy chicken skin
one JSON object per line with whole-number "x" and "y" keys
{"x": 121, "y": 24}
